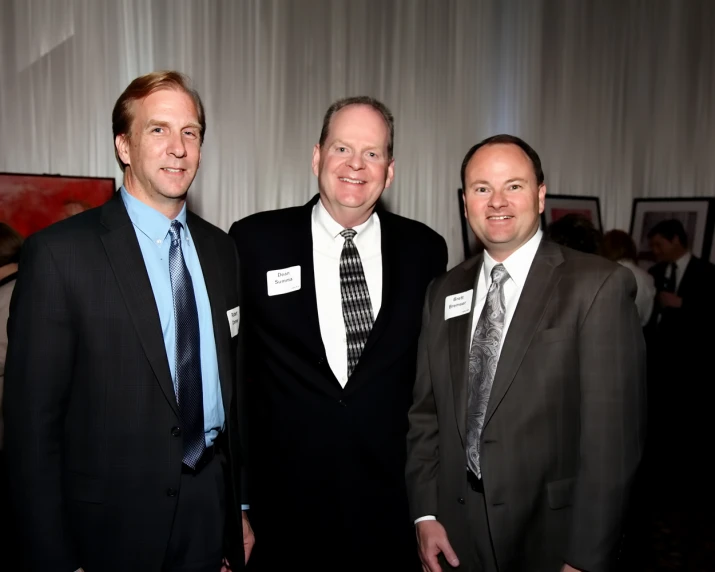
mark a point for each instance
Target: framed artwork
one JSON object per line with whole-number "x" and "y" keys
{"x": 694, "y": 213}
{"x": 29, "y": 203}
{"x": 557, "y": 206}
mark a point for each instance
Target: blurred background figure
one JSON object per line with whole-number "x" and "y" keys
{"x": 10, "y": 245}
{"x": 618, "y": 246}
{"x": 575, "y": 231}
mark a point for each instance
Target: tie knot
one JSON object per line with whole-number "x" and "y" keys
{"x": 348, "y": 233}
{"x": 499, "y": 274}
{"x": 175, "y": 230}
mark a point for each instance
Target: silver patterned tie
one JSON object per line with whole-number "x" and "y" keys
{"x": 357, "y": 308}
{"x": 483, "y": 359}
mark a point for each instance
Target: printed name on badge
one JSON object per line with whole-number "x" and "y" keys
{"x": 458, "y": 304}
{"x": 234, "y": 318}
{"x": 283, "y": 281}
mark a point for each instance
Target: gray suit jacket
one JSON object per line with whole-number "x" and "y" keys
{"x": 564, "y": 428}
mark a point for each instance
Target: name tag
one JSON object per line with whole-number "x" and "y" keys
{"x": 458, "y": 304}
{"x": 283, "y": 281}
{"x": 234, "y": 318}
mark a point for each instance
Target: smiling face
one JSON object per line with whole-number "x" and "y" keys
{"x": 163, "y": 151}
{"x": 502, "y": 200}
{"x": 353, "y": 166}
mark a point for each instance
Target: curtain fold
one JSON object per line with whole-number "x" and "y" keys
{"x": 618, "y": 96}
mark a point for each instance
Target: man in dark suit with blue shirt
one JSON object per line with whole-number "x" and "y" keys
{"x": 123, "y": 377}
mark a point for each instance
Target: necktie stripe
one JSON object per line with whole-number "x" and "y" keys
{"x": 188, "y": 385}
{"x": 355, "y": 297}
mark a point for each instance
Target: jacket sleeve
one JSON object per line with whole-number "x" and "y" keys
{"x": 38, "y": 379}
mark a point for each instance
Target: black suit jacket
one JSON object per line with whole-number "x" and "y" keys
{"x": 90, "y": 404}
{"x": 330, "y": 461}
{"x": 564, "y": 427}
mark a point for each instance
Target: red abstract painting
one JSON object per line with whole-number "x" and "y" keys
{"x": 557, "y": 213}
{"x": 29, "y": 203}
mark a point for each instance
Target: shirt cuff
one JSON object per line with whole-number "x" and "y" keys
{"x": 427, "y": 517}
{"x": 245, "y": 506}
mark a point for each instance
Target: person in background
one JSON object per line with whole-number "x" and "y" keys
{"x": 333, "y": 291}
{"x": 618, "y": 246}
{"x": 123, "y": 377}
{"x": 10, "y": 247}
{"x": 575, "y": 231}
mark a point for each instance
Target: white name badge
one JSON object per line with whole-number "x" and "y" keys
{"x": 283, "y": 281}
{"x": 234, "y": 318}
{"x": 458, "y": 304}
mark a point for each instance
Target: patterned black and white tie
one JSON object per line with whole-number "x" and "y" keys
{"x": 189, "y": 392}
{"x": 357, "y": 308}
{"x": 483, "y": 359}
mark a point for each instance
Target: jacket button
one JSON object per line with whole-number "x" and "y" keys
{"x": 460, "y": 500}
{"x": 342, "y": 403}
{"x": 171, "y": 492}
{"x": 176, "y": 431}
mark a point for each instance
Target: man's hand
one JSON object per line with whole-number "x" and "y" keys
{"x": 669, "y": 300}
{"x": 431, "y": 540}
{"x": 249, "y": 540}
{"x": 567, "y": 568}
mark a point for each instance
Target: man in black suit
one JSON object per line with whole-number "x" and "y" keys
{"x": 332, "y": 298}
{"x": 680, "y": 346}
{"x": 123, "y": 386}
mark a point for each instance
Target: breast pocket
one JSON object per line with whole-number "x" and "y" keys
{"x": 552, "y": 335}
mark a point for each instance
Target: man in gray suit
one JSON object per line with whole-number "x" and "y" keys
{"x": 528, "y": 418}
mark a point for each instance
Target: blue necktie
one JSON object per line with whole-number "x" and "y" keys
{"x": 189, "y": 393}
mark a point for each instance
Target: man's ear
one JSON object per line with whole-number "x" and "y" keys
{"x": 121, "y": 142}
{"x": 316, "y": 159}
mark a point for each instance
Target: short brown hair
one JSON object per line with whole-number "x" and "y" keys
{"x": 505, "y": 139}
{"x": 143, "y": 86}
{"x": 618, "y": 245}
{"x": 378, "y": 106}
{"x": 10, "y": 244}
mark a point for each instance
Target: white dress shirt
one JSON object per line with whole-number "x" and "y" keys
{"x": 517, "y": 265}
{"x": 327, "y": 247}
{"x": 645, "y": 295}
{"x": 680, "y": 265}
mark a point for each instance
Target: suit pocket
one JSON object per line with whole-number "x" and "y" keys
{"x": 83, "y": 488}
{"x": 553, "y": 335}
{"x": 560, "y": 493}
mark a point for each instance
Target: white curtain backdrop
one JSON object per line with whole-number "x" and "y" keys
{"x": 618, "y": 96}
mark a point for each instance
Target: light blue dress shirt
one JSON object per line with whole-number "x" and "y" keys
{"x": 152, "y": 230}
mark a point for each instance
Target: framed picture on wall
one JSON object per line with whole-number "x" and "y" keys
{"x": 694, "y": 213}
{"x": 29, "y": 203}
{"x": 557, "y": 206}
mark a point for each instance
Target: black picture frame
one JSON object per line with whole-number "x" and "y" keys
{"x": 696, "y": 213}
{"x": 556, "y": 206}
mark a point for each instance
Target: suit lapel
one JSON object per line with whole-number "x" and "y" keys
{"x": 302, "y": 246}
{"x": 390, "y": 253}
{"x": 458, "y": 333}
{"x": 539, "y": 287}
{"x": 210, "y": 268}
{"x": 125, "y": 258}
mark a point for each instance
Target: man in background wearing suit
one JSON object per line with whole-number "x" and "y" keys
{"x": 332, "y": 297}
{"x": 680, "y": 347}
{"x": 122, "y": 380}
{"x": 527, "y": 425}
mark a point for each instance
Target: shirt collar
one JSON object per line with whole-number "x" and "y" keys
{"x": 149, "y": 220}
{"x": 333, "y": 228}
{"x": 518, "y": 263}
{"x": 683, "y": 261}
